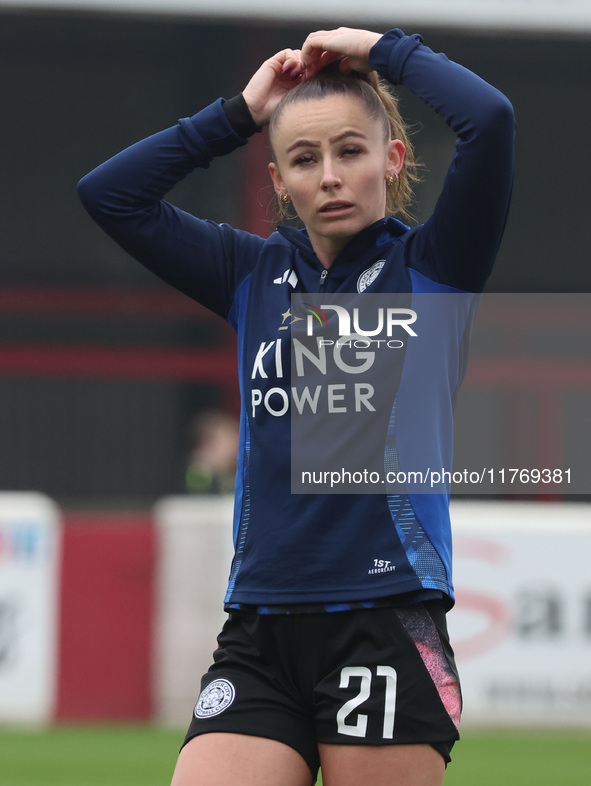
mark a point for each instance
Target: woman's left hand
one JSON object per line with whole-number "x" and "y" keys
{"x": 346, "y": 44}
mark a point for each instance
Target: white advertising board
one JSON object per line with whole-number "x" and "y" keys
{"x": 194, "y": 557}
{"x": 566, "y": 16}
{"x": 521, "y": 627}
{"x": 29, "y": 565}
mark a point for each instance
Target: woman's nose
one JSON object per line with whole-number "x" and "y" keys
{"x": 330, "y": 178}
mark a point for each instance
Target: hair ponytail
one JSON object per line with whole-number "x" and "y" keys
{"x": 400, "y": 194}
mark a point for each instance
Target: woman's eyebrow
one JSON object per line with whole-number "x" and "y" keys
{"x": 345, "y": 134}
{"x": 302, "y": 143}
{"x": 332, "y": 140}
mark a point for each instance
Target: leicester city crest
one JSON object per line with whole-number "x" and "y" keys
{"x": 214, "y": 699}
{"x": 369, "y": 276}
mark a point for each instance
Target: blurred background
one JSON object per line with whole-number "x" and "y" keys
{"x": 106, "y": 374}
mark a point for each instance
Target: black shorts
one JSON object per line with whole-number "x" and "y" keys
{"x": 378, "y": 676}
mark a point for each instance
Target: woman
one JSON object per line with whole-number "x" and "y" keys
{"x": 335, "y": 651}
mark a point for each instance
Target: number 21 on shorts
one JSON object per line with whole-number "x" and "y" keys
{"x": 359, "y": 728}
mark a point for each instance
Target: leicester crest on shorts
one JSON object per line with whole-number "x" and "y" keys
{"x": 214, "y": 699}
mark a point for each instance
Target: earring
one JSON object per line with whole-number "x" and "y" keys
{"x": 392, "y": 179}
{"x": 285, "y": 198}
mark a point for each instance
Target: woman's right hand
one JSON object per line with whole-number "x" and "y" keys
{"x": 348, "y": 45}
{"x": 276, "y": 77}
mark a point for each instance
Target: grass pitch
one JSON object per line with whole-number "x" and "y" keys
{"x": 130, "y": 755}
{"x": 88, "y": 756}
{"x": 521, "y": 758}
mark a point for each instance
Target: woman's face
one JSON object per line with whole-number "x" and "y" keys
{"x": 333, "y": 161}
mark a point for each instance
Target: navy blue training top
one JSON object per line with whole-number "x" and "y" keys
{"x": 299, "y": 549}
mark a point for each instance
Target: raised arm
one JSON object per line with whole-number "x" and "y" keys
{"x": 124, "y": 195}
{"x": 460, "y": 240}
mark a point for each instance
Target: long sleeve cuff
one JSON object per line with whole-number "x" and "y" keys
{"x": 239, "y": 116}
{"x": 391, "y": 52}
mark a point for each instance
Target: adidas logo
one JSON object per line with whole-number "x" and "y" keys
{"x": 289, "y": 276}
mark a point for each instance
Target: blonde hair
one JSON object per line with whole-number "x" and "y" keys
{"x": 382, "y": 105}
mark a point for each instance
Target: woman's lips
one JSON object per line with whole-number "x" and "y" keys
{"x": 336, "y": 208}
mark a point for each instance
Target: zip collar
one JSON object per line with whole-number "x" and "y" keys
{"x": 355, "y": 254}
